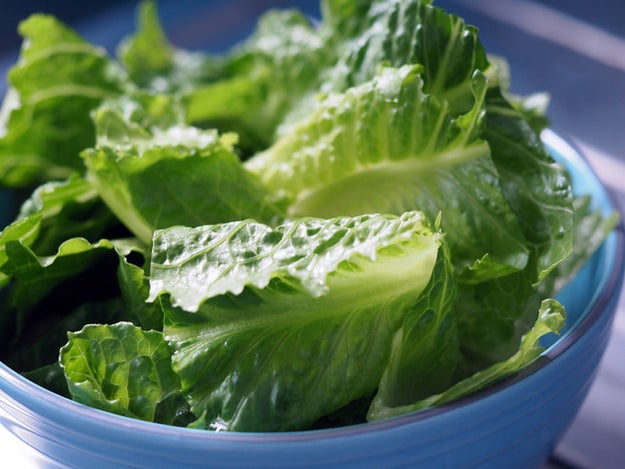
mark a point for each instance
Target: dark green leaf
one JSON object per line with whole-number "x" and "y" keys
{"x": 119, "y": 368}
{"x": 551, "y": 319}
{"x": 59, "y": 79}
{"x": 295, "y": 322}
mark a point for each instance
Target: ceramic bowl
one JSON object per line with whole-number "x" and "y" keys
{"x": 514, "y": 423}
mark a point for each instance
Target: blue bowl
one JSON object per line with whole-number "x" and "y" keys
{"x": 513, "y": 423}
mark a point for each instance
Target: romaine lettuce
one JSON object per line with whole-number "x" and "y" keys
{"x": 386, "y": 146}
{"x": 59, "y": 79}
{"x": 197, "y": 174}
{"x": 98, "y": 360}
{"x": 263, "y": 321}
{"x": 338, "y": 220}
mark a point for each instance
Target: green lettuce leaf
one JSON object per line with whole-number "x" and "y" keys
{"x": 33, "y": 277}
{"x": 119, "y": 368}
{"x": 153, "y": 63}
{"x": 496, "y": 314}
{"x": 590, "y": 229}
{"x": 425, "y": 349}
{"x": 262, "y": 78}
{"x": 59, "y": 79}
{"x": 147, "y": 54}
{"x": 199, "y": 176}
{"x": 65, "y": 209}
{"x": 551, "y": 318}
{"x": 400, "y": 32}
{"x": 538, "y": 189}
{"x": 273, "y": 328}
{"x": 47, "y": 292}
{"x": 135, "y": 289}
{"x": 387, "y": 147}
{"x": 195, "y": 264}
{"x": 491, "y": 332}
{"x": 55, "y": 212}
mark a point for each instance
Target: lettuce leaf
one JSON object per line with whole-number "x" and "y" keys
{"x": 119, "y": 368}
{"x": 154, "y": 64}
{"x": 400, "y": 32}
{"x": 262, "y": 78}
{"x": 538, "y": 189}
{"x": 386, "y": 146}
{"x": 520, "y": 190}
{"x": 551, "y": 319}
{"x": 387, "y": 244}
{"x": 44, "y": 289}
{"x": 198, "y": 174}
{"x": 264, "y": 321}
{"x": 590, "y": 229}
{"x": 55, "y": 212}
{"x": 497, "y": 313}
{"x": 59, "y": 79}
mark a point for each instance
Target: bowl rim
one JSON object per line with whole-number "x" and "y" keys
{"x": 610, "y": 286}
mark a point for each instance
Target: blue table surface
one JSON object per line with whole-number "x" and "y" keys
{"x": 572, "y": 49}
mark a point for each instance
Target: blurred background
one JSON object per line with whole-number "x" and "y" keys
{"x": 572, "y": 49}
